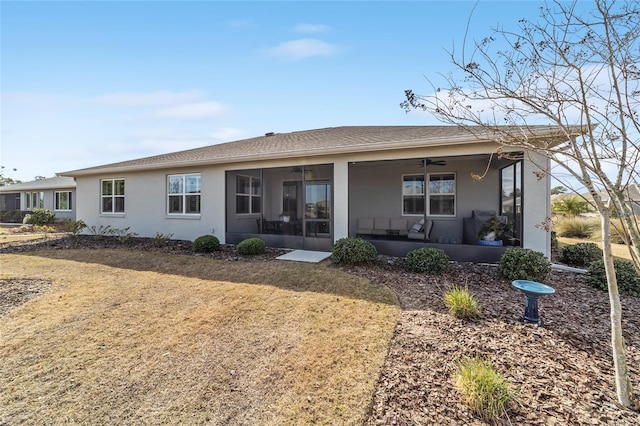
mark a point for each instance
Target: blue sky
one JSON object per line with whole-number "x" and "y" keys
{"x": 89, "y": 83}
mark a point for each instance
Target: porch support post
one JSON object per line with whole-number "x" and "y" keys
{"x": 340, "y": 199}
{"x": 424, "y": 194}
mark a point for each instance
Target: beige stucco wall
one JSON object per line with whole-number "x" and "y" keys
{"x": 145, "y": 194}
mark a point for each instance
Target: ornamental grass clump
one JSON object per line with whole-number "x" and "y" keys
{"x": 251, "y": 246}
{"x": 461, "y": 303}
{"x": 353, "y": 251}
{"x": 525, "y": 264}
{"x": 581, "y": 254}
{"x": 483, "y": 388}
{"x": 206, "y": 244}
{"x": 427, "y": 261}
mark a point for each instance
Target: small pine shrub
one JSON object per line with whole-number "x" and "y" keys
{"x": 577, "y": 227}
{"x": 161, "y": 239}
{"x": 206, "y": 244}
{"x": 525, "y": 264}
{"x": 41, "y": 217}
{"x": 251, "y": 246}
{"x": 461, "y": 303}
{"x": 483, "y": 388}
{"x": 353, "y": 251}
{"x": 427, "y": 260}
{"x": 73, "y": 227}
{"x": 628, "y": 279}
{"x": 580, "y": 254}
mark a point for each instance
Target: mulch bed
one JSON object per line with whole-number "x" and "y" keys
{"x": 562, "y": 371}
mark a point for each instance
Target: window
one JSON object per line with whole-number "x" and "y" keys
{"x": 33, "y": 200}
{"x": 112, "y": 196}
{"x": 183, "y": 192}
{"x": 441, "y": 194}
{"x": 248, "y": 195}
{"x": 62, "y": 200}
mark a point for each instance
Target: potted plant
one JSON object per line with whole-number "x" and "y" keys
{"x": 490, "y": 230}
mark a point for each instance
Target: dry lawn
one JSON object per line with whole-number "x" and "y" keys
{"x": 129, "y": 337}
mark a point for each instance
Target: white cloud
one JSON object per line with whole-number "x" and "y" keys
{"x": 154, "y": 99}
{"x": 227, "y": 134}
{"x": 38, "y": 100}
{"x": 303, "y": 48}
{"x": 241, "y": 23}
{"x": 190, "y": 111}
{"x": 311, "y": 28}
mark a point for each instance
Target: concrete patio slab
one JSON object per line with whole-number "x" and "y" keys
{"x": 305, "y": 256}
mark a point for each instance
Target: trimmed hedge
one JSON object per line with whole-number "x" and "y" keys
{"x": 628, "y": 279}
{"x": 353, "y": 251}
{"x": 251, "y": 246}
{"x": 206, "y": 244}
{"x": 427, "y": 261}
{"x": 581, "y": 254}
{"x": 525, "y": 264}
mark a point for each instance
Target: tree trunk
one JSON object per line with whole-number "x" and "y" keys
{"x": 622, "y": 379}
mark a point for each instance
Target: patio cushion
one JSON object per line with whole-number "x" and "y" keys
{"x": 380, "y": 225}
{"x": 417, "y": 227}
{"x": 365, "y": 225}
{"x": 420, "y": 235}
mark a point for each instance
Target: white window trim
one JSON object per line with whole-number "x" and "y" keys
{"x": 428, "y": 194}
{"x": 56, "y": 201}
{"x": 30, "y": 204}
{"x": 184, "y": 195}
{"x": 249, "y": 195}
{"x": 113, "y": 197}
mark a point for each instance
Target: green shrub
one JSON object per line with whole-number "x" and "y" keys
{"x": 580, "y": 254}
{"x": 206, "y": 244}
{"x": 461, "y": 303}
{"x": 524, "y": 264}
{"x": 251, "y": 246}
{"x": 352, "y": 251}
{"x": 628, "y": 279}
{"x": 73, "y": 227}
{"x": 427, "y": 261}
{"x": 41, "y": 217}
{"x": 483, "y": 388}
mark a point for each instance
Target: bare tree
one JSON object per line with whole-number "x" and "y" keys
{"x": 568, "y": 70}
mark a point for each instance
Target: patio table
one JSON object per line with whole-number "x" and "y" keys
{"x": 532, "y": 291}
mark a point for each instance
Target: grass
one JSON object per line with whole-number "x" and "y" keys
{"x": 461, "y": 303}
{"x": 483, "y": 388}
{"x": 126, "y": 337}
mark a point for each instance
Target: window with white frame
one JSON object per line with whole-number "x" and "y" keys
{"x": 112, "y": 196}
{"x": 33, "y": 200}
{"x": 183, "y": 194}
{"x": 62, "y": 201}
{"x": 441, "y": 193}
{"x": 248, "y": 195}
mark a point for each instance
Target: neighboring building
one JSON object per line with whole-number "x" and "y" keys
{"x": 57, "y": 194}
{"x": 310, "y": 188}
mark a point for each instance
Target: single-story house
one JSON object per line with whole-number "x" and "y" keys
{"x": 307, "y": 189}
{"x": 57, "y": 194}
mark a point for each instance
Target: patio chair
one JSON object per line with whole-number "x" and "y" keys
{"x": 419, "y": 229}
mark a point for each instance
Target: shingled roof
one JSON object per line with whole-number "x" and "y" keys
{"x": 332, "y": 140}
{"x": 58, "y": 182}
